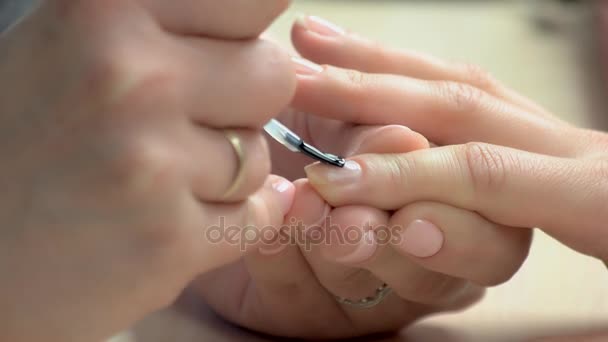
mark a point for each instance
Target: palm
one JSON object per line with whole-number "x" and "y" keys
{"x": 299, "y": 307}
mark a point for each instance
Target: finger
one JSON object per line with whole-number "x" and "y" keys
{"x": 567, "y": 198}
{"x": 228, "y": 19}
{"x": 232, "y": 84}
{"x": 349, "y": 140}
{"x": 314, "y": 40}
{"x": 307, "y": 210}
{"x": 354, "y": 240}
{"x": 452, "y": 241}
{"x": 352, "y": 282}
{"x": 281, "y": 273}
{"x": 226, "y": 165}
{"x": 444, "y": 112}
{"x": 386, "y": 139}
{"x": 231, "y": 230}
{"x": 344, "y": 237}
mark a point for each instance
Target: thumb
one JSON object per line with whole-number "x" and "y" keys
{"x": 236, "y": 229}
{"x": 567, "y": 198}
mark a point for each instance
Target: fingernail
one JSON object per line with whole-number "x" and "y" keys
{"x": 422, "y": 239}
{"x": 306, "y": 67}
{"x": 385, "y": 139}
{"x": 325, "y": 174}
{"x": 321, "y": 26}
{"x": 285, "y": 191}
{"x": 364, "y": 250}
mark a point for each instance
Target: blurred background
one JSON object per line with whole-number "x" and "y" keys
{"x": 550, "y": 51}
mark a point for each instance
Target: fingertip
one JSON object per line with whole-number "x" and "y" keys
{"x": 350, "y": 235}
{"x": 284, "y": 192}
{"x": 421, "y": 239}
{"x": 310, "y": 43}
{"x": 392, "y": 139}
{"x": 308, "y": 207}
{"x": 334, "y": 183}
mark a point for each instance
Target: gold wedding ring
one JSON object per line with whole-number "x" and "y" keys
{"x": 239, "y": 150}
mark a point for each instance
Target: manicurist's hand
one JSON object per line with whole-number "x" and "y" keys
{"x": 503, "y": 157}
{"x": 128, "y": 129}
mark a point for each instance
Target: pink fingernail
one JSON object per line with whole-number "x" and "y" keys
{"x": 306, "y": 67}
{"x": 324, "y": 174}
{"x": 322, "y": 26}
{"x": 286, "y": 191}
{"x": 422, "y": 239}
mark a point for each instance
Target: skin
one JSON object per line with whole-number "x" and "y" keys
{"x": 111, "y": 114}
{"x": 502, "y": 157}
{"x": 276, "y": 292}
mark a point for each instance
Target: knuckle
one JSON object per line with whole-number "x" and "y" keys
{"x": 141, "y": 166}
{"x": 463, "y": 98}
{"x": 271, "y": 74}
{"x": 356, "y": 78}
{"x": 487, "y": 166}
{"x": 116, "y": 75}
{"x": 400, "y": 167}
{"x": 394, "y": 170}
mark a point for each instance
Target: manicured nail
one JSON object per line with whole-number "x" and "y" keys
{"x": 376, "y": 141}
{"x": 422, "y": 239}
{"x": 286, "y": 191}
{"x": 364, "y": 250}
{"x": 325, "y": 174}
{"x": 306, "y": 67}
{"x": 321, "y": 26}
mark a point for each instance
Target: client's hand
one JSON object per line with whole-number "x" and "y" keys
{"x": 505, "y": 159}
{"x": 289, "y": 289}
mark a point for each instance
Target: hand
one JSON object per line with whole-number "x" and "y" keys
{"x": 112, "y": 116}
{"x": 504, "y": 157}
{"x": 276, "y": 291}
